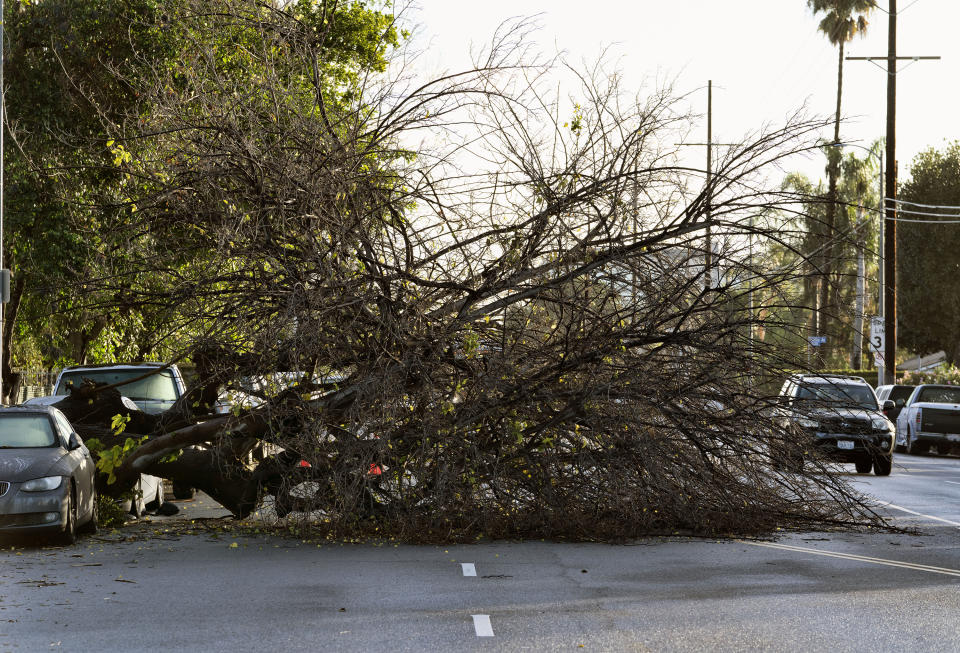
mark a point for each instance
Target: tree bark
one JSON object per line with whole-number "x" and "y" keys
{"x": 856, "y": 358}
{"x": 10, "y": 380}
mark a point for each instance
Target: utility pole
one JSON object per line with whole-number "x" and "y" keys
{"x": 708, "y": 255}
{"x": 3, "y": 120}
{"x": 890, "y": 213}
{"x": 890, "y": 201}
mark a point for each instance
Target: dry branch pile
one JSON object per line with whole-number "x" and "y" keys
{"x": 471, "y": 306}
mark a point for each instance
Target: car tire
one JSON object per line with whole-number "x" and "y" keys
{"x": 68, "y": 535}
{"x": 156, "y": 501}
{"x": 93, "y": 524}
{"x": 182, "y": 492}
{"x": 899, "y": 448}
{"x": 914, "y": 447}
{"x": 883, "y": 465}
{"x": 864, "y": 466}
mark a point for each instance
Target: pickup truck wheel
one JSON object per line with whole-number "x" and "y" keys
{"x": 899, "y": 448}
{"x": 915, "y": 448}
{"x": 182, "y": 492}
{"x": 883, "y": 465}
{"x": 864, "y": 466}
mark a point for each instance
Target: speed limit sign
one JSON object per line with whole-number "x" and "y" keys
{"x": 877, "y": 338}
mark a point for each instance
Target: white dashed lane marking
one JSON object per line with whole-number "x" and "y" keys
{"x": 481, "y": 624}
{"x": 919, "y": 514}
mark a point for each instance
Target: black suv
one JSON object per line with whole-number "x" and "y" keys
{"x": 842, "y": 419}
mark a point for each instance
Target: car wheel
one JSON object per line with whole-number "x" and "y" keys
{"x": 182, "y": 492}
{"x": 883, "y": 465}
{"x": 69, "y": 533}
{"x": 154, "y": 503}
{"x": 914, "y": 447}
{"x": 93, "y": 525}
{"x": 899, "y": 448}
{"x": 864, "y": 466}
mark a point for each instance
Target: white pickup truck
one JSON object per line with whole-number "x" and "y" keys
{"x": 931, "y": 417}
{"x": 153, "y": 394}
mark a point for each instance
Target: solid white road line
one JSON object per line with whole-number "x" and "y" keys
{"x": 857, "y": 558}
{"x": 481, "y": 624}
{"x": 468, "y": 569}
{"x": 919, "y": 514}
{"x": 952, "y": 482}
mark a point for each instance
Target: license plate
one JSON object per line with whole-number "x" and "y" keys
{"x": 844, "y": 444}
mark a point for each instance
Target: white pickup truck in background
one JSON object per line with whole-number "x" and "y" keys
{"x": 931, "y": 417}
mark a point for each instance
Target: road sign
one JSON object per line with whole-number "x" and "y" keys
{"x": 816, "y": 341}
{"x": 876, "y": 341}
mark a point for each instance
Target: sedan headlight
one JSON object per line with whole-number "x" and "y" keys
{"x": 808, "y": 423}
{"x": 879, "y": 424}
{"x": 42, "y": 484}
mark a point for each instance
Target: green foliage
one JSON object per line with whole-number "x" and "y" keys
{"x": 111, "y": 513}
{"x": 77, "y": 68}
{"x": 804, "y": 236}
{"x": 110, "y": 459}
{"x": 944, "y": 374}
{"x": 928, "y": 255}
{"x": 119, "y": 423}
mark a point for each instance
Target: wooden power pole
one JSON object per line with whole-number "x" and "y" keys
{"x": 890, "y": 201}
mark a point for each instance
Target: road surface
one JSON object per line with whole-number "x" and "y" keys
{"x": 215, "y": 592}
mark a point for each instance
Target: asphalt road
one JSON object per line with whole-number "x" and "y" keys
{"x": 214, "y": 592}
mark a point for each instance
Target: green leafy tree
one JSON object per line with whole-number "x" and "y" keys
{"x": 853, "y": 245}
{"x": 928, "y": 254}
{"x": 71, "y": 72}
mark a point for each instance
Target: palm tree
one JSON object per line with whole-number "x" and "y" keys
{"x": 858, "y": 177}
{"x": 842, "y": 20}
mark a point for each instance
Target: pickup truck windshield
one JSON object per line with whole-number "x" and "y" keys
{"x": 937, "y": 395}
{"x": 161, "y": 386}
{"x": 838, "y": 394}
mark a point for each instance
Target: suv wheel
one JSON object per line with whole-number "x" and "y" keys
{"x": 883, "y": 465}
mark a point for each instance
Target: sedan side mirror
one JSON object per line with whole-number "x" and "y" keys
{"x": 75, "y": 442}
{"x": 888, "y": 407}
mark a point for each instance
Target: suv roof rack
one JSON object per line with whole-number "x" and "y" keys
{"x": 831, "y": 376}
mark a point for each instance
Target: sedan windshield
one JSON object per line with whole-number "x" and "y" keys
{"x": 160, "y": 386}
{"x": 25, "y": 431}
{"x": 837, "y": 394}
{"x": 940, "y": 395}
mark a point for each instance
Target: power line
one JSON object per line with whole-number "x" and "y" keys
{"x": 909, "y": 212}
{"x": 926, "y": 206}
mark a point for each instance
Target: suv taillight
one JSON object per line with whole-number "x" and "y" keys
{"x": 919, "y": 419}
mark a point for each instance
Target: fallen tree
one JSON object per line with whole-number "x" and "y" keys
{"x": 467, "y": 306}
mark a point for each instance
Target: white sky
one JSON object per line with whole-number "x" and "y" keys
{"x": 766, "y": 59}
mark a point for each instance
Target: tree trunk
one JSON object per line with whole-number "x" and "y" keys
{"x": 828, "y": 307}
{"x": 10, "y": 380}
{"x": 856, "y": 358}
